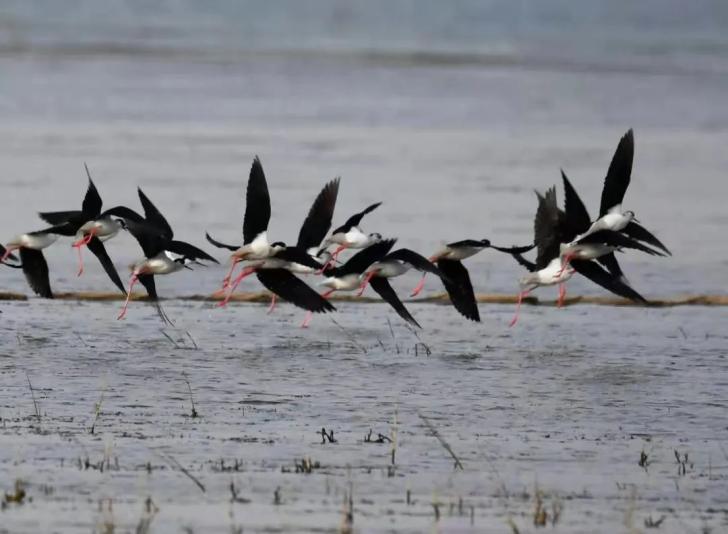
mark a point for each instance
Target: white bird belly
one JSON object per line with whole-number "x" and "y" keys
{"x": 349, "y": 282}
{"x": 102, "y": 228}
{"x": 355, "y": 238}
{"x": 159, "y": 264}
{"x": 257, "y": 249}
{"x": 554, "y": 273}
{"x": 37, "y": 241}
{"x": 297, "y": 268}
{"x": 389, "y": 269}
{"x": 613, "y": 221}
{"x": 457, "y": 254}
{"x": 590, "y": 251}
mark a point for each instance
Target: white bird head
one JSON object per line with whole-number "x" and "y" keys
{"x": 629, "y": 215}
{"x": 277, "y": 246}
{"x": 374, "y": 238}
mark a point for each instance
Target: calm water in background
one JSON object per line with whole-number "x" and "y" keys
{"x": 450, "y": 112}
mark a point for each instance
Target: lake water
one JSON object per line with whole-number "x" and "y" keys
{"x": 451, "y": 113}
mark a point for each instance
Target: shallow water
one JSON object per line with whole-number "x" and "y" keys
{"x": 453, "y": 151}
{"x": 451, "y": 113}
{"x": 563, "y": 404}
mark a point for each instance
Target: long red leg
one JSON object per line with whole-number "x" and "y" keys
{"x": 272, "y": 304}
{"x": 228, "y": 276}
{"x": 564, "y": 264}
{"x": 309, "y": 315}
{"x": 521, "y": 295}
{"x": 562, "y": 294}
{"x": 7, "y": 253}
{"x": 85, "y": 240}
{"x": 417, "y": 290}
{"x": 333, "y": 258}
{"x": 226, "y": 281}
{"x": 245, "y": 272}
{"x": 80, "y": 260}
{"x": 365, "y": 283}
{"x": 132, "y": 281}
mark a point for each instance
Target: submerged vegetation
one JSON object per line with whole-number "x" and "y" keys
{"x": 374, "y": 429}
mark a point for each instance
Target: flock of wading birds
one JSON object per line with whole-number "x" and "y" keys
{"x": 566, "y": 240}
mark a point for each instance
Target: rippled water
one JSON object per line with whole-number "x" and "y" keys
{"x": 453, "y": 148}
{"x": 560, "y": 406}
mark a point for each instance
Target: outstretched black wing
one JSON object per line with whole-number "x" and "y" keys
{"x": 61, "y": 217}
{"x": 612, "y": 265}
{"x": 35, "y": 269}
{"x": 122, "y": 212}
{"x": 359, "y": 262}
{"x": 466, "y": 243}
{"x": 318, "y": 221}
{"x": 298, "y": 255}
{"x": 382, "y": 287}
{"x": 147, "y": 280}
{"x": 68, "y": 228}
{"x": 514, "y": 250}
{"x": 189, "y": 251}
{"x": 416, "y": 260}
{"x": 218, "y": 244}
{"x": 458, "y": 286}
{"x": 616, "y": 239}
{"x": 576, "y": 213}
{"x": 608, "y": 281}
{"x": 257, "y": 203}
{"x": 549, "y": 229}
{"x": 150, "y": 237}
{"x": 635, "y": 231}
{"x": 290, "y": 288}
{"x": 618, "y": 174}
{"x": 529, "y": 265}
{"x": 92, "y": 202}
{"x": 98, "y": 250}
{"x": 154, "y": 217}
{"x": 355, "y": 219}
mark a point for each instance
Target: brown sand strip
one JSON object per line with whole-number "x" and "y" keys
{"x": 6, "y": 295}
{"x": 440, "y": 298}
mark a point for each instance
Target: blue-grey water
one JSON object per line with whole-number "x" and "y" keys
{"x": 449, "y": 112}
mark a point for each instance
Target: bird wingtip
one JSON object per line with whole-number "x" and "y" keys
{"x": 88, "y": 173}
